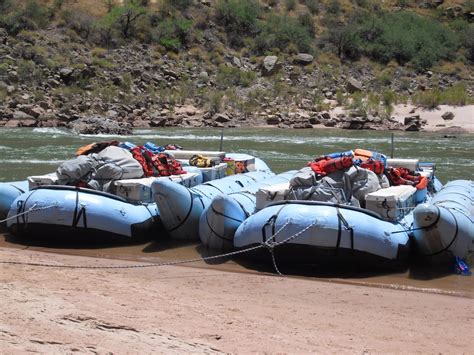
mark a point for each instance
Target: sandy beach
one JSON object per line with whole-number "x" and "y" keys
{"x": 176, "y": 309}
{"x": 462, "y": 121}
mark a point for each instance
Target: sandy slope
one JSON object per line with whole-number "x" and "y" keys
{"x": 182, "y": 310}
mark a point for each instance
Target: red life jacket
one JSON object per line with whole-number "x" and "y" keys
{"x": 376, "y": 166}
{"x": 403, "y": 176}
{"x": 166, "y": 166}
{"x": 327, "y": 165}
{"x": 140, "y": 155}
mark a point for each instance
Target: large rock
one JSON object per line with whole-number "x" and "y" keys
{"x": 303, "y": 58}
{"x": 353, "y": 85}
{"x": 270, "y": 65}
{"x": 20, "y": 115}
{"x": 100, "y": 125}
{"x": 447, "y": 115}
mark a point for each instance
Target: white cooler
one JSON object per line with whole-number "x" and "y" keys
{"x": 391, "y": 203}
{"x": 270, "y": 194}
{"x": 41, "y": 180}
{"x": 214, "y": 173}
{"x": 139, "y": 190}
{"x": 410, "y": 164}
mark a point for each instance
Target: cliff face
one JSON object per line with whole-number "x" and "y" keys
{"x": 230, "y": 63}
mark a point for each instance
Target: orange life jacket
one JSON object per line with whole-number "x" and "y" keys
{"x": 363, "y": 154}
{"x": 95, "y": 147}
{"x": 376, "y": 166}
{"x": 327, "y": 165}
{"x": 403, "y": 176}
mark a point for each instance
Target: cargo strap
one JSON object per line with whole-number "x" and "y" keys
{"x": 342, "y": 221}
{"x": 433, "y": 225}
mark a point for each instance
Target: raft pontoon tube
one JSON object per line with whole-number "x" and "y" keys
{"x": 225, "y": 214}
{"x": 9, "y": 191}
{"x": 446, "y": 223}
{"x": 325, "y": 233}
{"x": 181, "y": 207}
{"x": 71, "y": 212}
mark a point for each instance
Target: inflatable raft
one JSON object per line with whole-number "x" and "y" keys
{"x": 9, "y": 191}
{"x": 180, "y": 207}
{"x": 225, "y": 214}
{"x": 70, "y": 212}
{"x": 319, "y": 232}
{"x": 446, "y": 223}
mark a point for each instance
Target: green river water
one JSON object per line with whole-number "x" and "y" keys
{"x": 26, "y": 152}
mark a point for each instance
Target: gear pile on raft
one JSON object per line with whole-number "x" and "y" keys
{"x": 355, "y": 207}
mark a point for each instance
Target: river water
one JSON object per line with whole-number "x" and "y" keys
{"x": 25, "y": 152}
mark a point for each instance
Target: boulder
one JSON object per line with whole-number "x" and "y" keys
{"x": 270, "y": 65}
{"x": 67, "y": 74}
{"x": 100, "y": 125}
{"x": 12, "y": 124}
{"x": 447, "y": 115}
{"x": 29, "y": 123}
{"x": 221, "y": 118}
{"x": 415, "y": 119}
{"x": 353, "y": 85}
{"x": 303, "y": 58}
{"x": 20, "y": 115}
{"x": 273, "y": 120}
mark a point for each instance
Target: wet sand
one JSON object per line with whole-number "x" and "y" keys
{"x": 174, "y": 309}
{"x": 436, "y": 277}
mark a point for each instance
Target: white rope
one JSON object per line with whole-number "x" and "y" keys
{"x": 268, "y": 244}
{"x": 31, "y": 209}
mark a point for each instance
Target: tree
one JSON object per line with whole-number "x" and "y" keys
{"x": 124, "y": 17}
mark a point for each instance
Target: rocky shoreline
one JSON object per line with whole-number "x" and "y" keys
{"x": 49, "y": 80}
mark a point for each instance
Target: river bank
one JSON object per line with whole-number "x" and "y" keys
{"x": 181, "y": 309}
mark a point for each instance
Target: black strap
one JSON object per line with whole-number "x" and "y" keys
{"x": 271, "y": 222}
{"x": 455, "y": 233}
{"x": 340, "y": 222}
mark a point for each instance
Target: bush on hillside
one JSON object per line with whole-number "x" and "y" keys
{"x": 179, "y": 4}
{"x": 312, "y": 5}
{"x": 14, "y": 17}
{"x": 283, "y": 32}
{"x": 468, "y": 41}
{"x": 402, "y": 36}
{"x": 230, "y": 76}
{"x": 239, "y": 18}
{"x": 172, "y": 33}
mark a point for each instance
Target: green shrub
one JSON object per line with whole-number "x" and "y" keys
{"x": 428, "y": 99}
{"x": 29, "y": 72}
{"x": 14, "y": 17}
{"x": 468, "y": 41}
{"x": 307, "y": 21}
{"x": 239, "y": 18}
{"x": 179, "y": 4}
{"x": 334, "y": 7}
{"x": 455, "y": 95}
{"x": 172, "y": 33}
{"x": 281, "y": 32}
{"x": 402, "y": 36}
{"x": 313, "y": 6}
{"x": 231, "y": 76}
{"x": 290, "y": 5}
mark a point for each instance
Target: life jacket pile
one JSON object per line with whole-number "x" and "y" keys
{"x": 203, "y": 162}
{"x": 403, "y": 176}
{"x": 326, "y": 165}
{"x": 156, "y": 164}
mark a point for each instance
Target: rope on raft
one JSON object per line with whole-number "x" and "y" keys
{"x": 268, "y": 244}
{"x": 31, "y": 209}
